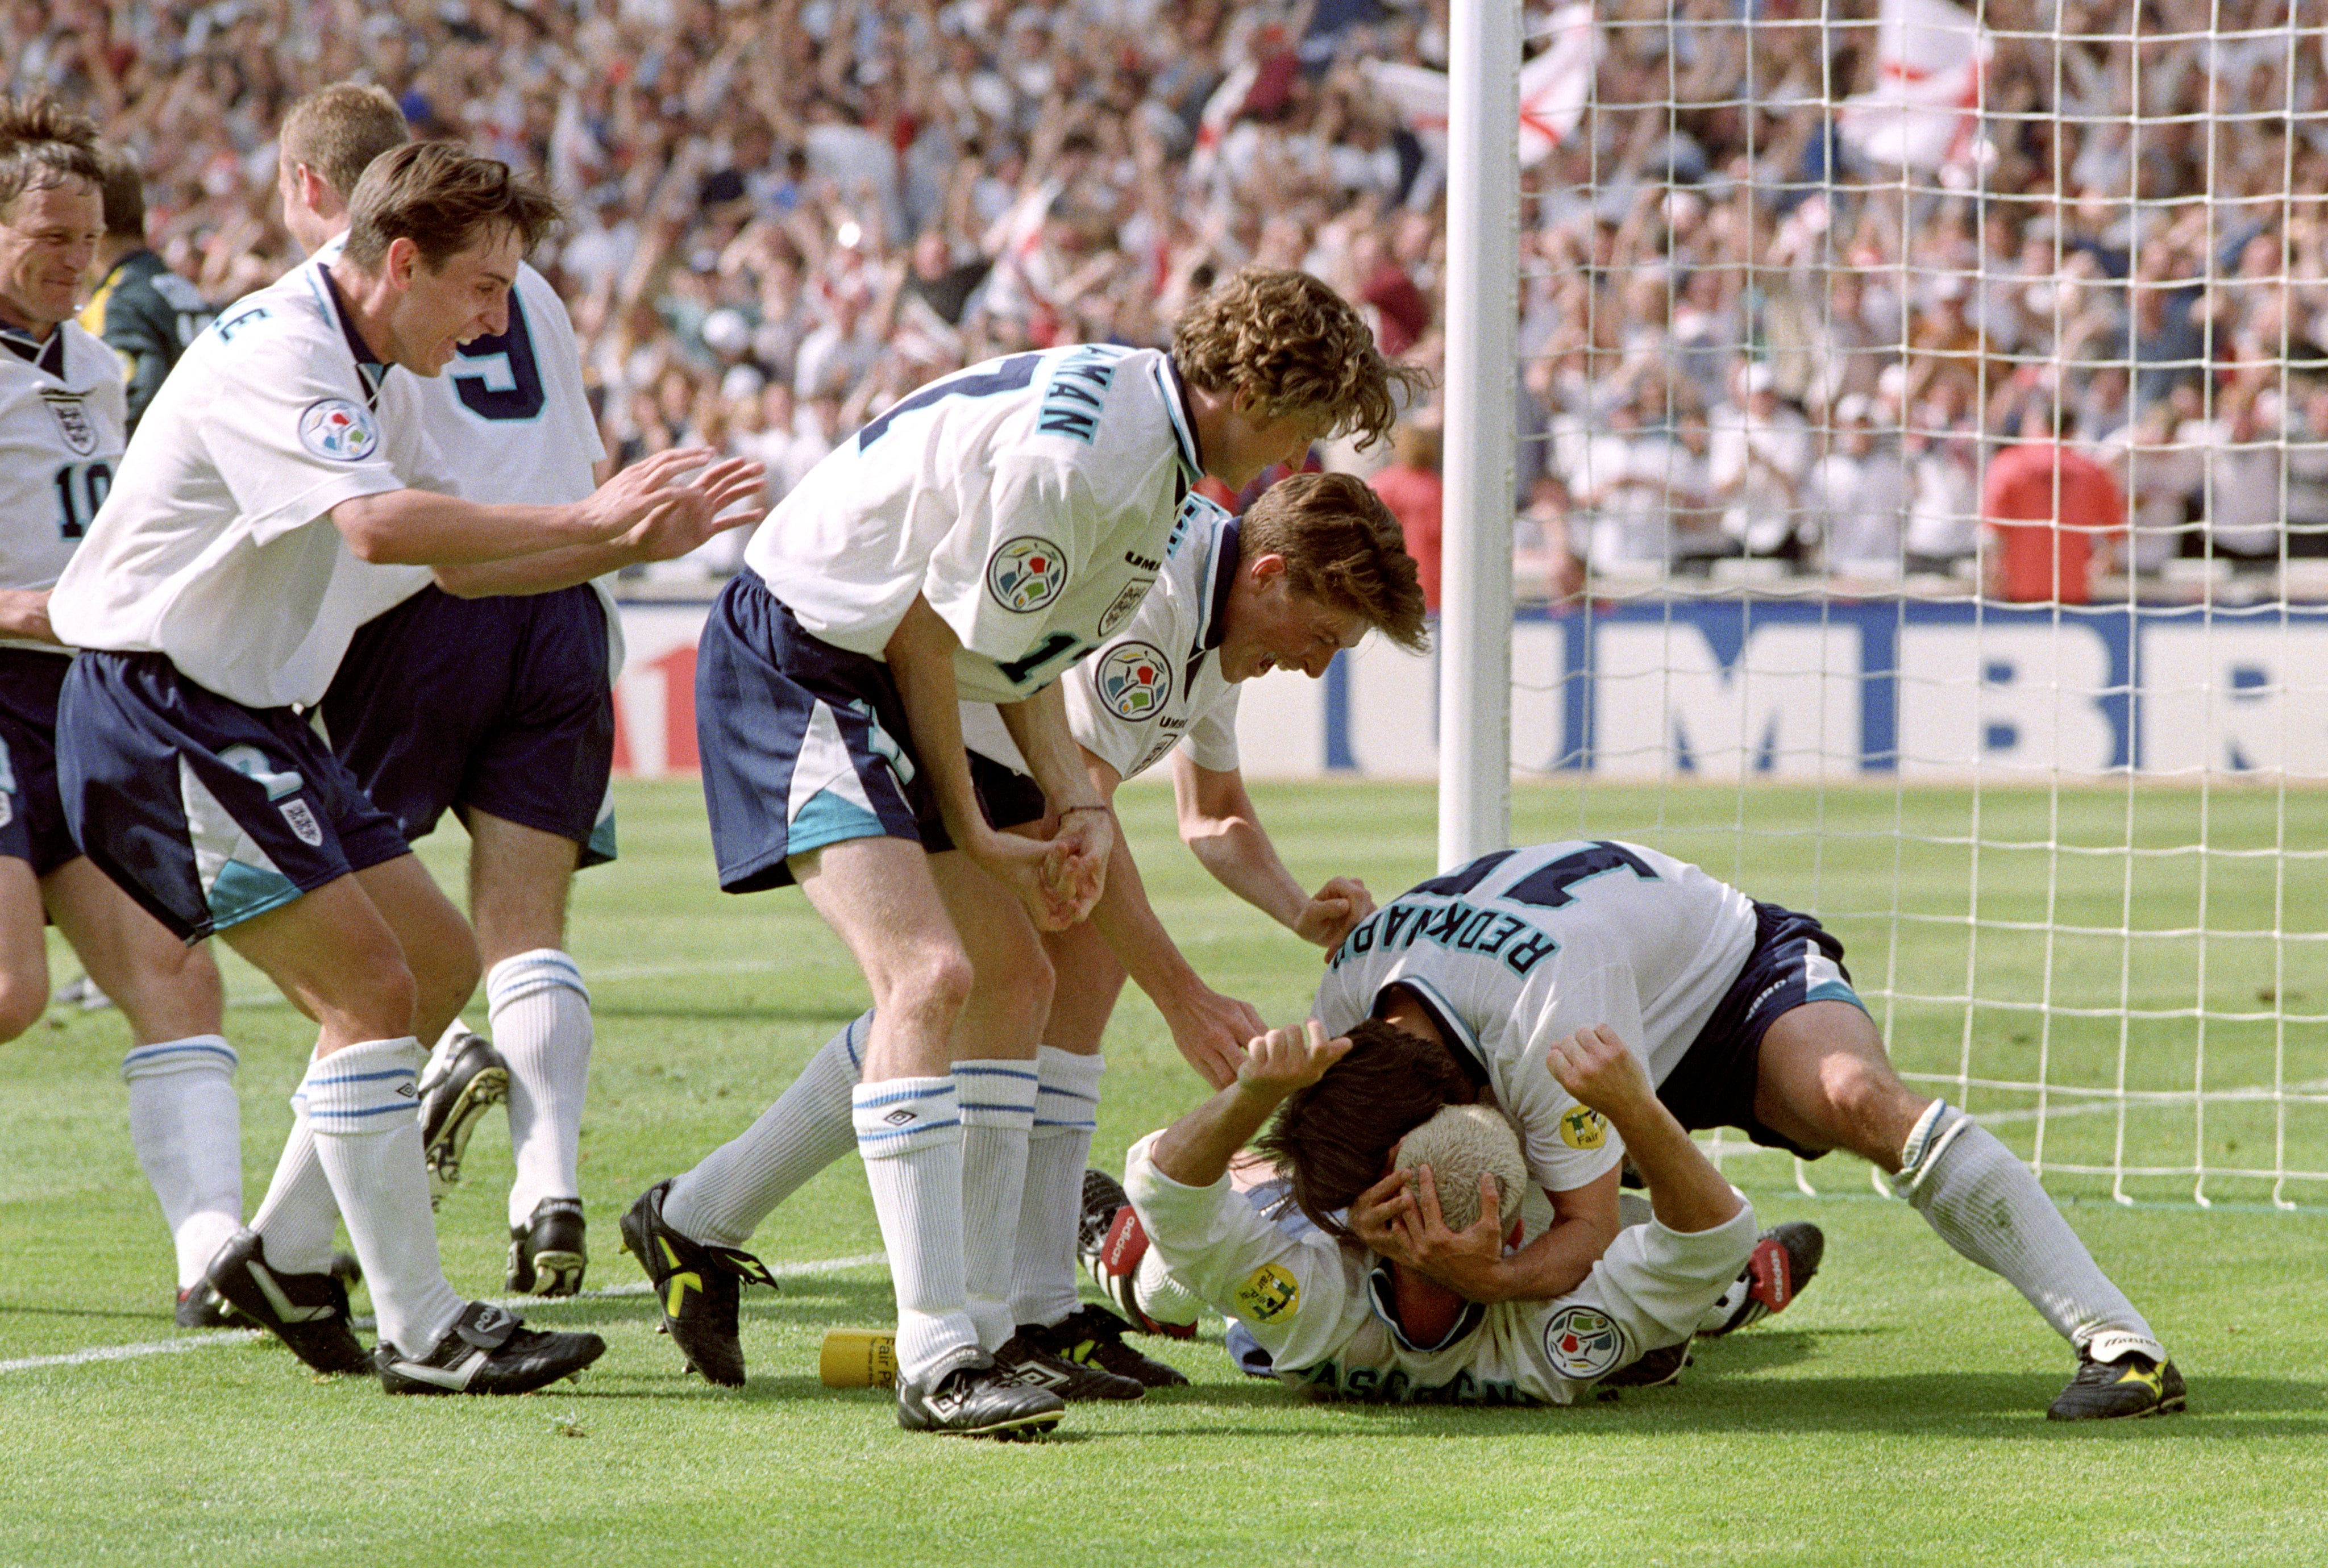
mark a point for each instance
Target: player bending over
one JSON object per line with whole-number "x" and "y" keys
{"x": 973, "y": 541}
{"x": 1746, "y": 1018}
{"x": 1331, "y": 1316}
{"x": 61, "y": 432}
{"x": 212, "y": 601}
{"x": 1315, "y": 564}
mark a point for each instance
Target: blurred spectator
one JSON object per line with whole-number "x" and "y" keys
{"x": 1410, "y": 485}
{"x": 1761, "y": 452}
{"x": 1856, "y": 494}
{"x": 2050, "y": 512}
{"x": 882, "y": 190}
{"x": 145, "y": 312}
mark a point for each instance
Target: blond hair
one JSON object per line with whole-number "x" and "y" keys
{"x": 1292, "y": 345}
{"x": 338, "y": 130}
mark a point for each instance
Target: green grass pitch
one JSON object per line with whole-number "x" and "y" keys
{"x": 1894, "y": 1415}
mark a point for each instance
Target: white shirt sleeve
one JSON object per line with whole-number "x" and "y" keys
{"x": 1568, "y": 1146}
{"x": 1210, "y": 739}
{"x": 1302, "y": 1297}
{"x": 294, "y": 440}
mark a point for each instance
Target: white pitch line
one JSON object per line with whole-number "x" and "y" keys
{"x": 225, "y": 1339}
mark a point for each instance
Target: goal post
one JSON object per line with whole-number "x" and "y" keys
{"x": 1482, "y": 384}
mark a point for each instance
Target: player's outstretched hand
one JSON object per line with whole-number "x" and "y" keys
{"x": 1210, "y": 1030}
{"x": 707, "y": 506}
{"x": 1333, "y": 912}
{"x": 1277, "y": 1062}
{"x": 1595, "y": 1066}
{"x": 636, "y": 494}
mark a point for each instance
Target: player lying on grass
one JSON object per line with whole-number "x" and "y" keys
{"x": 212, "y": 598}
{"x": 1335, "y": 1317}
{"x": 1310, "y": 567}
{"x": 1745, "y": 1017}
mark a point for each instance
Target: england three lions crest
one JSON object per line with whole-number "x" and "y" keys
{"x": 1025, "y": 574}
{"x": 1134, "y": 681}
{"x": 73, "y": 425}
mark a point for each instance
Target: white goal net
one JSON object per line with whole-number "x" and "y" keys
{"x": 1921, "y": 508}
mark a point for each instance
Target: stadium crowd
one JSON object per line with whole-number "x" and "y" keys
{"x": 1738, "y": 336}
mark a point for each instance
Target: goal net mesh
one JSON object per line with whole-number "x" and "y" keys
{"x": 1922, "y": 519}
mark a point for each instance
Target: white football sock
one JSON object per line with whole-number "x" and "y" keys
{"x": 909, "y": 1135}
{"x": 998, "y": 1112}
{"x": 539, "y": 1012}
{"x": 1067, "y": 1113}
{"x": 298, "y": 1217}
{"x": 186, "y": 1126}
{"x": 736, "y": 1186}
{"x": 1984, "y": 1202}
{"x": 366, "y": 1115}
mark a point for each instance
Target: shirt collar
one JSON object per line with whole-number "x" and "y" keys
{"x": 48, "y": 354}
{"x": 1183, "y": 419}
{"x": 1461, "y": 1043}
{"x": 1227, "y": 553}
{"x": 367, "y": 363}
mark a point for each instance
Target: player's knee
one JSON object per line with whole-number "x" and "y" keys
{"x": 23, "y": 998}
{"x": 932, "y": 983}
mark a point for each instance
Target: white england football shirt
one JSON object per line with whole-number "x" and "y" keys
{"x": 1031, "y": 499}
{"x": 511, "y": 423}
{"x": 63, "y": 418}
{"x": 1157, "y": 683}
{"x": 1522, "y": 947}
{"x": 215, "y": 546}
{"x": 1306, "y": 1298}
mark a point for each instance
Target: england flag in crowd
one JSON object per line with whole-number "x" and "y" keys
{"x": 1924, "y": 109}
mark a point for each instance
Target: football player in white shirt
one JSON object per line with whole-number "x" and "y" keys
{"x": 1314, "y": 564}
{"x": 1330, "y": 1320}
{"x": 62, "y": 424}
{"x": 212, "y": 605}
{"x": 973, "y": 540}
{"x": 1744, "y": 1017}
{"x": 498, "y": 708}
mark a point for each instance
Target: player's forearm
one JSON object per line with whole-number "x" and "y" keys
{"x": 544, "y": 572}
{"x": 1686, "y": 1193}
{"x": 1038, "y": 725}
{"x": 24, "y": 615}
{"x": 1242, "y": 859}
{"x": 421, "y": 527}
{"x": 1127, "y": 923}
{"x": 1222, "y": 830}
{"x": 920, "y": 655}
{"x": 1196, "y": 1151}
{"x": 1552, "y": 1265}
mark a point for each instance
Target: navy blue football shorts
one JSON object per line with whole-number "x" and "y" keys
{"x": 31, "y": 819}
{"x": 207, "y": 812}
{"x": 806, "y": 744}
{"x": 1795, "y": 960}
{"x": 498, "y": 705}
